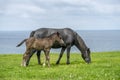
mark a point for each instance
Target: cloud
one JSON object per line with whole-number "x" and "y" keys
{"x": 61, "y": 13}
{"x": 1, "y": 12}
{"x": 62, "y": 7}
{"x": 105, "y": 8}
{"x": 80, "y": 7}
{"x": 23, "y": 10}
{"x": 84, "y": 7}
{"x": 77, "y": 2}
{"x": 94, "y": 6}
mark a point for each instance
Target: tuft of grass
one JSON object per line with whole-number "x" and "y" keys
{"x": 104, "y": 66}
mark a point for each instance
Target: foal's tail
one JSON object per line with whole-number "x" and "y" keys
{"x": 21, "y": 43}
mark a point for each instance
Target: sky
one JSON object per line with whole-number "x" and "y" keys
{"x": 18, "y": 15}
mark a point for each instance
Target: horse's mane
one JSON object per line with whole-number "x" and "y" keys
{"x": 80, "y": 42}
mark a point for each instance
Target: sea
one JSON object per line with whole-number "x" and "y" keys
{"x": 96, "y": 40}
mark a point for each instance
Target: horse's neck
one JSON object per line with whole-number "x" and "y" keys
{"x": 51, "y": 40}
{"x": 80, "y": 44}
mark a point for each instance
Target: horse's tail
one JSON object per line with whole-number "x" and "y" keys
{"x": 32, "y": 33}
{"x": 21, "y": 43}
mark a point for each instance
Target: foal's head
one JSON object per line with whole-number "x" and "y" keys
{"x": 57, "y": 38}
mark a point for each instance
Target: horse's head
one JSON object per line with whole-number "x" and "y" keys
{"x": 86, "y": 55}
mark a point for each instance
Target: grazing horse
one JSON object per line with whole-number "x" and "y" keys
{"x": 44, "y": 44}
{"x": 70, "y": 38}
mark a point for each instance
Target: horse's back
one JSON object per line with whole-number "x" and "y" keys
{"x": 48, "y": 31}
{"x": 68, "y": 35}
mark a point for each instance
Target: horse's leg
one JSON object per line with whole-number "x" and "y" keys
{"x": 30, "y": 55}
{"x": 38, "y": 57}
{"x": 61, "y": 54}
{"x": 25, "y": 57}
{"x": 68, "y": 55}
{"x": 47, "y": 58}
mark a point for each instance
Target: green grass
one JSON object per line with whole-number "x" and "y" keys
{"x": 104, "y": 66}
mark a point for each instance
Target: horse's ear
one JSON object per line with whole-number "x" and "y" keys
{"x": 58, "y": 33}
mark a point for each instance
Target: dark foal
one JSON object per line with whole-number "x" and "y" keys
{"x": 44, "y": 44}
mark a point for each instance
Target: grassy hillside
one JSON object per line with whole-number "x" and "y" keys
{"x": 104, "y": 66}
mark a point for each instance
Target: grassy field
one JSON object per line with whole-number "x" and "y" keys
{"x": 104, "y": 66}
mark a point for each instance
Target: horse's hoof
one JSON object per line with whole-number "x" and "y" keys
{"x": 25, "y": 66}
{"x": 39, "y": 63}
{"x": 68, "y": 63}
{"x": 44, "y": 64}
{"x": 21, "y": 64}
{"x": 57, "y": 62}
{"x": 48, "y": 65}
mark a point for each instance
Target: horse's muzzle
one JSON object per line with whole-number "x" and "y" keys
{"x": 87, "y": 60}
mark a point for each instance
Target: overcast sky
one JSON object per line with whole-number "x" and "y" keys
{"x": 75, "y": 14}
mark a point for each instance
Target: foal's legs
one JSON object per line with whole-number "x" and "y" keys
{"x": 30, "y": 55}
{"x": 25, "y": 58}
{"x": 61, "y": 54}
{"x": 47, "y": 58}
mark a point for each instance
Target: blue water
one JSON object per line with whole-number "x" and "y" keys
{"x": 96, "y": 40}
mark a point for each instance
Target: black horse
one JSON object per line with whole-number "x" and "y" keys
{"x": 69, "y": 37}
